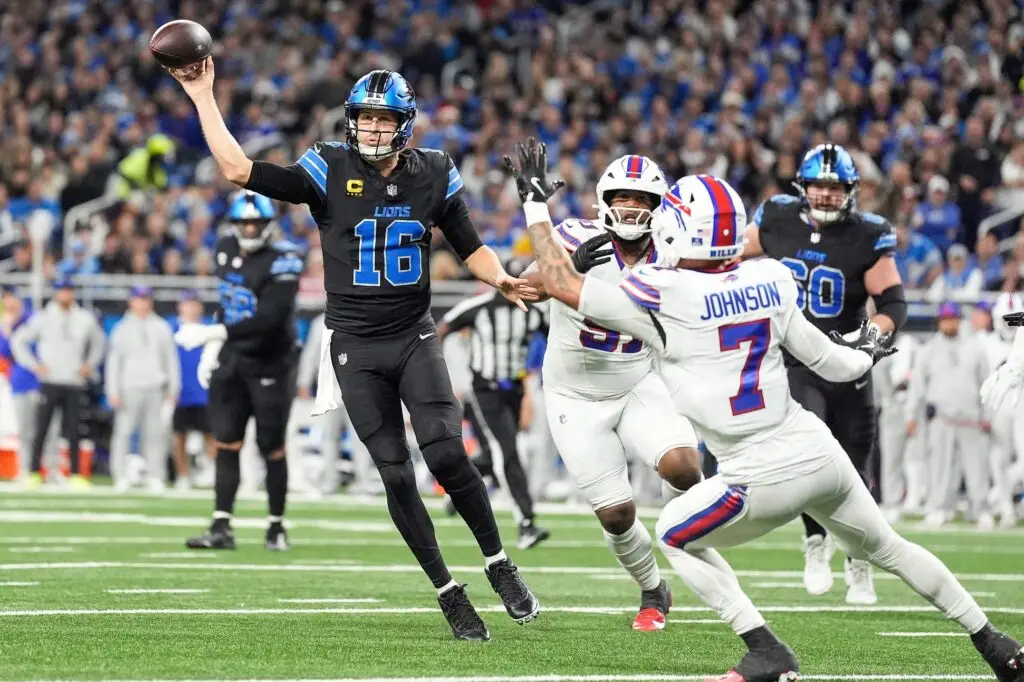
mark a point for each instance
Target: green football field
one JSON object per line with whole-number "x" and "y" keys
{"x": 99, "y": 587}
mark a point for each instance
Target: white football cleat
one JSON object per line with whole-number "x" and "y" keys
{"x": 986, "y": 522}
{"x": 860, "y": 584}
{"x": 818, "y": 551}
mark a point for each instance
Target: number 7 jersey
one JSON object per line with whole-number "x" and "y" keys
{"x": 585, "y": 359}
{"x": 719, "y": 336}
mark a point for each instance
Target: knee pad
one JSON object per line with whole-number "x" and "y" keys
{"x": 451, "y": 467}
{"x": 399, "y": 479}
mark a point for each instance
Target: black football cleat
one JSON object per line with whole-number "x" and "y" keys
{"x": 1002, "y": 652}
{"x": 519, "y": 602}
{"x": 773, "y": 664}
{"x": 461, "y": 616}
{"x": 219, "y": 536}
{"x": 531, "y": 535}
{"x": 277, "y": 538}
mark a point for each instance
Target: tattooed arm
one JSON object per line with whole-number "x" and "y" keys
{"x": 557, "y": 272}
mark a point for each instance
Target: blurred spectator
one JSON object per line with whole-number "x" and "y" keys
{"x": 78, "y": 262}
{"x": 918, "y": 260}
{"x": 989, "y": 261}
{"x": 937, "y": 217}
{"x": 962, "y": 280}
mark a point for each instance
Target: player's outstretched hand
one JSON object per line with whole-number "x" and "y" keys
{"x": 590, "y": 253}
{"x": 869, "y": 341}
{"x": 193, "y": 335}
{"x": 1014, "y": 319}
{"x": 516, "y": 289}
{"x": 532, "y": 174}
{"x": 197, "y": 79}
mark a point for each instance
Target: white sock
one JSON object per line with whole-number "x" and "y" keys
{"x": 635, "y": 552}
{"x": 222, "y": 515}
{"x": 714, "y": 581}
{"x": 275, "y": 519}
{"x": 930, "y": 578}
{"x": 444, "y": 588}
{"x": 500, "y": 556}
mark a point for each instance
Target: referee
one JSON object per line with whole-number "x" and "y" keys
{"x": 500, "y": 335}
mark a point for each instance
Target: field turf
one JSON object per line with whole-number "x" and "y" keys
{"x": 97, "y": 587}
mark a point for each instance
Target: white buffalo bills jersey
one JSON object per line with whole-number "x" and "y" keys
{"x": 719, "y": 337}
{"x": 585, "y": 359}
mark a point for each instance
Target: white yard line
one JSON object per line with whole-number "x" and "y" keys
{"x": 180, "y": 555}
{"x": 157, "y": 591}
{"x": 604, "y": 678}
{"x": 920, "y": 634}
{"x": 17, "y": 583}
{"x": 778, "y": 584}
{"x": 330, "y": 600}
{"x": 40, "y": 549}
{"x": 593, "y": 610}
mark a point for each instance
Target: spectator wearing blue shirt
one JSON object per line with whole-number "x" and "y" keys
{"x": 24, "y": 385}
{"x": 989, "y": 261}
{"x": 190, "y": 412}
{"x": 962, "y": 281}
{"x": 918, "y": 260}
{"x": 78, "y": 262}
{"x": 937, "y": 217}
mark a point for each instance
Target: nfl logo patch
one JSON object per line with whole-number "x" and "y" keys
{"x": 696, "y": 241}
{"x": 392, "y": 190}
{"x": 342, "y": 358}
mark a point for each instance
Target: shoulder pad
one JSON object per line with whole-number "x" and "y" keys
{"x": 643, "y": 286}
{"x": 574, "y": 231}
{"x": 319, "y": 145}
{"x": 873, "y": 218}
{"x": 776, "y": 201}
{"x": 784, "y": 199}
{"x": 288, "y": 263}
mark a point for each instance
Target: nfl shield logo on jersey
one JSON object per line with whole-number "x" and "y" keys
{"x": 342, "y": 358}
{"x": 392, "y": 191}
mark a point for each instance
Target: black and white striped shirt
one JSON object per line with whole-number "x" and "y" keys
{"x": 500, "y": 337}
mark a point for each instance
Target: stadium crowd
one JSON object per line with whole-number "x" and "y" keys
{"x": 928, "y": 96}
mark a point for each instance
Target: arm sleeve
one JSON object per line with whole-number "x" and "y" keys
{"x": 309, "y": 360}
{"x": 274, "y": 307}
{"x": 22, "y": 340}
{"x": 173, "y": 363}
{"x": 628, "y": 307}
{"x": 457, "y": 227}
{"x": 294, "y": 184}
{"x": 96, "y": 344}
{"x": 112, "y": 370}
{"x": 828, "y": 360}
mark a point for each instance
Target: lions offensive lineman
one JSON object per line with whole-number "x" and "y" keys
{"x": 839, "y": 256}
{"x": 719, "y": 328}
{"x": 604, "y": 401}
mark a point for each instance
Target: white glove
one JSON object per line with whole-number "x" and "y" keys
{"x": 1002, "y": 385}
{"x": 209, "y": 361}
{"x": 191, "y": 336}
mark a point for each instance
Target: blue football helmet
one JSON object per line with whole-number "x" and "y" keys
{"x": 829, "y": 164}
{"x": 383, "y": 91}
{"x": 250, "y": 209}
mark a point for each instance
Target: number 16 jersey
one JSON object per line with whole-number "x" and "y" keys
{"x": 584, "y": 359}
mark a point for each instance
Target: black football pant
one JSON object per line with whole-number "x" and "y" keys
{"x": 495, "y": 418}
{"x": 378, "y": 375}
{"x": 848, "y": 410}
{"x": 69, "y": 400}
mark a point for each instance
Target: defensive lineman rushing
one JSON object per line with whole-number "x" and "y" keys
{"x": 248, "y": 361}
{"x": 839, "y": 256}
{"x": 375, "y": 202}
{"x": 604, "y": 401}
{"x": 719, "y": 329}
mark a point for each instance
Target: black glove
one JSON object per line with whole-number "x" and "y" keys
{"x": 869, "y": 341}
{"x": 1014, "y": 320}
{"x": 532, "y": 175}
{"x": 590, "y": 253}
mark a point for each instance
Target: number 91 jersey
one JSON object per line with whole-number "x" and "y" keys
{"x": 584, "y": 359}
{"x": 829, "y": 264}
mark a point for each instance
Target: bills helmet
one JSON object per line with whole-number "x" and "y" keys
{"x": 701, "y": 217}
{"x": 635, "y": 174}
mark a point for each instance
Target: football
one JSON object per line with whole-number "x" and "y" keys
{"x": 179, "y": 43}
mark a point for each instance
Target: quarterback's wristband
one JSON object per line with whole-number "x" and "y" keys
{"x": 536, "y": 212}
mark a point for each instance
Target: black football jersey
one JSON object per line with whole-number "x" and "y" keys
{"x": 269, "y": 275}
{"x": 375, "y": 233}
{"x": 828, "y": 264}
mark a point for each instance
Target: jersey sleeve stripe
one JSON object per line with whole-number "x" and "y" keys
{"x": 641, "y": 293}
{"x": 720, "y": 512}
{"x": 318, "y": 177}
{"x": 885, "y": 242}
{"x": 317, "y": 160}
{"x": 454, "y": 186}
{"x": 568, "y": 240}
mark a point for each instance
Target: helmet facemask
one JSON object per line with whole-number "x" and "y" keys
{"x": 252, "y": 235}
{"x": 631, "y": 220}
{"x": 386, "y": 131}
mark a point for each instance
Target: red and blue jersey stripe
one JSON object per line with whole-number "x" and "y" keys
{"x": 717, "y": 514}
{"x": 634, "y": 167}
{"x": 725, "y": 230}
{"x": 641, "y": 293}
